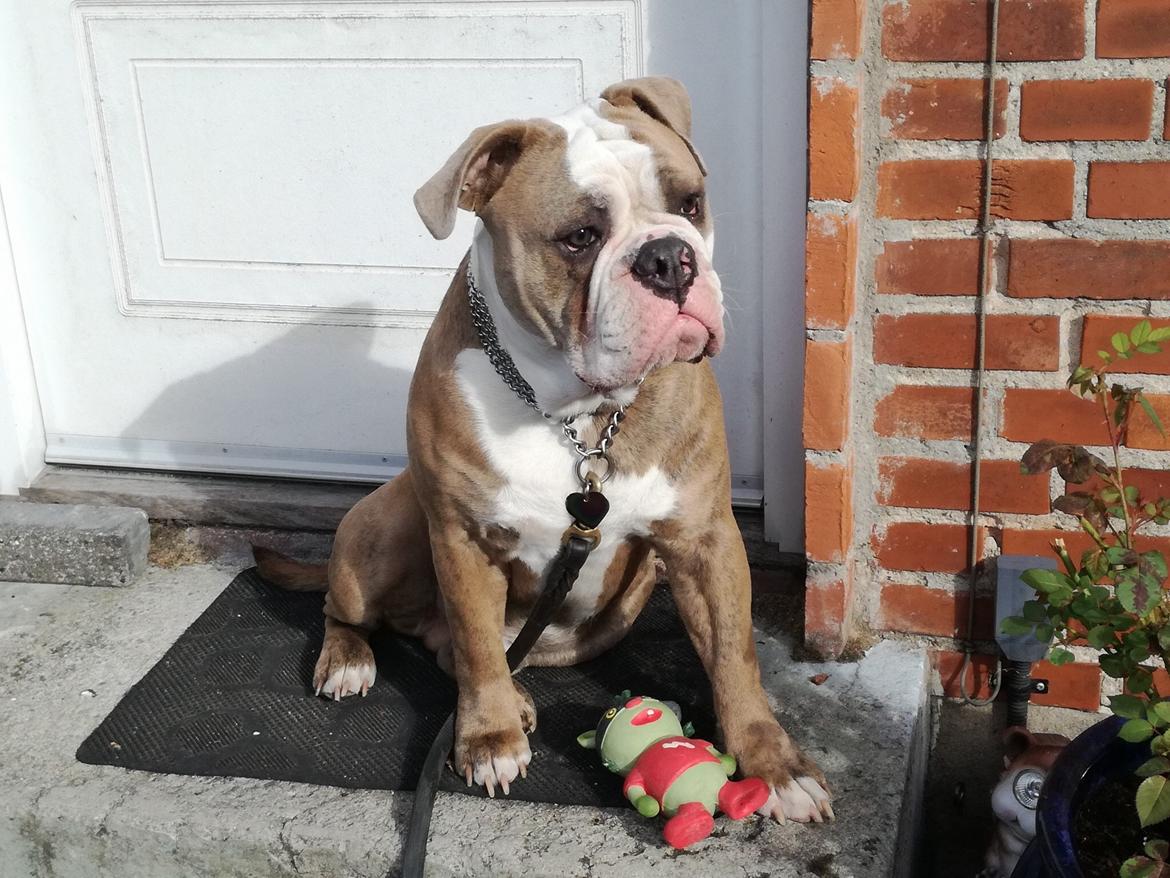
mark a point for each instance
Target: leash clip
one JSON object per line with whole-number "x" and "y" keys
{"x": 592, "y": 534}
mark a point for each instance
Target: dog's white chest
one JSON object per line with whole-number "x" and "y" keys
{"x": 536, "y": 464}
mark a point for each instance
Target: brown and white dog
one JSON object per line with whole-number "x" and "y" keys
{"x": 593, "y": 252}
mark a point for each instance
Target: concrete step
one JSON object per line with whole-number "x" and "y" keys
{"x": 70, "y": 653}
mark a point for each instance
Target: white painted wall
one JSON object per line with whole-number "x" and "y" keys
{"x": 22, "y": 432}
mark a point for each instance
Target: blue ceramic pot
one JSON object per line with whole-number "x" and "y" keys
{"x": 1095, "y": 756}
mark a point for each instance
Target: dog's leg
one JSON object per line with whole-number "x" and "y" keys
{"x": 708, "y": 571}
{"x": 490, "y": 745}
{"x": 380, "y": 574}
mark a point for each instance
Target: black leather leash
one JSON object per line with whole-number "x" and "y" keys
{"x": 578, "y": 542}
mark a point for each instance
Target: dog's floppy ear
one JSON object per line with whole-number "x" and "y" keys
{"x": 473, "y": 173}
{"x": 662, "y": 99}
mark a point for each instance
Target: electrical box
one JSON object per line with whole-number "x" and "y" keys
{"x": 1011, "y": 593}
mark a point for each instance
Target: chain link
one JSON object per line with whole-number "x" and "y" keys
{"x": 505, "y": 366}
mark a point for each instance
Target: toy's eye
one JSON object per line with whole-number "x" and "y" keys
{"x": 1026, "y": 787}
{"x": 611, "y": 713}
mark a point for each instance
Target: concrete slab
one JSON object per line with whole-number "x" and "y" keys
{"x": 85, "y": 545}
{"x": 70, "y": 654}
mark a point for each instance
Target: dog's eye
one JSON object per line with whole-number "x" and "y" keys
{"x": 580, "y": 240}
{"x": 691, "y": 205}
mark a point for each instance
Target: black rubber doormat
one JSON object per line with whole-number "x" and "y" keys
{"x": 233, "y": 698}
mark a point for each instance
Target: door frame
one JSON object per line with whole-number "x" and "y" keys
{"x": 784, "y": 59}
{"x": 22, "y": 425}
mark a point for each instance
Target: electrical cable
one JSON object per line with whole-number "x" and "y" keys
{"x": 985, "y": 244}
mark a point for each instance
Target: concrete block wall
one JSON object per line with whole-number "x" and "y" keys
{"x": 1081, "y": 195}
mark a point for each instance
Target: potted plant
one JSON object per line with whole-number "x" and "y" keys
{"x": 1113, "y": 598}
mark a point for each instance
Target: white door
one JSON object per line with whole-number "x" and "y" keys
{"x": 210, "y": 213}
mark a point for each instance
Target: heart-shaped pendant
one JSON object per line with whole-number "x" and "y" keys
{"x": 587, "y": 509}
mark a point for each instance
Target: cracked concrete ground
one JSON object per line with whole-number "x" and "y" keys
{"x": 70, "y": 653}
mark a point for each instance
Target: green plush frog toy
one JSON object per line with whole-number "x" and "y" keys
{"x": 670, "y": 773}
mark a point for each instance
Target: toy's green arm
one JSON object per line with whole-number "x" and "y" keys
{"x": 725, "y": 759}
{"x": 647, "y": 805}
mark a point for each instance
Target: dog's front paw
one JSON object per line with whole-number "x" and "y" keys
{"x": 493, "y": 758}
{"x": 346, "y": 667}
{"x": 802, "y": 799}
{"x": 797, "y": 788}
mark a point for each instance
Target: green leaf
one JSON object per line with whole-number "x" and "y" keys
{"x": 1120, "y": 342}
{"x": 1164, "y": 638}
{"x": 1149, "y": 347}
{"x": 1044, "y": 633}
{"x": 1135, "y": 731}
{"x": 1162, "y": 709}
{"x": 1138, "y": 867}
{"x": 1151, "y": 414}
{"x": 1101, "y": 636}
{"x": 1034, "y": 612}
{"x": 1128, "y": 706}
{"x": 1141, "y": 332}
{"x": 1153, "y": 800}
{"x": 1157, "y": 848}
{"x": 1162, "y": 333}
{"x": 1157, "y": 765}
{"x": 1060, "y": 656}
{"x": 1139, "y": 681}
{"x": 1016, "y": 625}
{"x": 1104, "y": 355}
{"x": 1046, "y": 581}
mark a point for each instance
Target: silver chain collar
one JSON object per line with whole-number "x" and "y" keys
{"x": 505, "y": 366}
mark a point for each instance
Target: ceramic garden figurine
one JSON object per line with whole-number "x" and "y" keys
{"x": 669, "y": 773}
{"x": 1027, "y": 760}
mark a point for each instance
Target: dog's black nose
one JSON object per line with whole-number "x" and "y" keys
{"x": 666, "y": 267}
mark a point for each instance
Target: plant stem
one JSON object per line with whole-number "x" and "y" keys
{"x": 1115, "y": 443}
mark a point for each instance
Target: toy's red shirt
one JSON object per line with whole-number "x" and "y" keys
{"x": 662, "y": 762}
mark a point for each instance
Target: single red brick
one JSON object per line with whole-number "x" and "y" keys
{"x": 920, "y": 483}
{"x": 1030, "y": 415}
{"x": 1097, "y": 333}
{"x": 1066, "y": 268}
{"x": 1133, "y": 29}
{"x": 833, "y": 140}
{"x": 912, "y": 545}
{"x": 1129, "y": 190}
{"x": 828, "y": 511}
{"x": 1024, "y": 189}
{"x": 929, "y": 267}
{"x": 1143, "y": 433}
{"x": 916, "y": 412}
{"x": 942, "y": 109}
{"x": 917, "y": 609}
{"x": 949, "y": 665}
{"x": 957, "y": 30}
{"x": 1152, "y": 484}
{"x": 828, "y": 373}
{"x": 835, "y": 30}
{"x": 1092, "y": 109}
{"x": 1077, "y": 542}
{"x": 1076, "y": 685}
{"x": 827, "y": 607}
{"x": 948, "y": 341}
{"x": 829, "y": 270}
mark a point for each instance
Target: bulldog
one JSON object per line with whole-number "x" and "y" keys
{"x": 591, "y": 265}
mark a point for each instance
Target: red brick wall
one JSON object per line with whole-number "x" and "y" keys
{"x": 1081, "y": 193}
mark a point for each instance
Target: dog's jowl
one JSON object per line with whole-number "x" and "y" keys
{"x": 588, "y": 288}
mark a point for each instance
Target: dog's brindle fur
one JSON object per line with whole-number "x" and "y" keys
{"x": 422, "y": 554}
